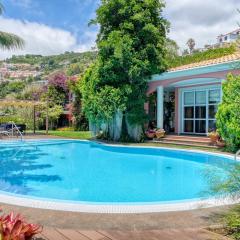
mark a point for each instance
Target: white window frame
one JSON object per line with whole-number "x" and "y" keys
{"x": 182, "y": 105}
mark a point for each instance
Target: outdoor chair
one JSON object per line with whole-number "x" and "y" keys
{"x": 4, "y": 132}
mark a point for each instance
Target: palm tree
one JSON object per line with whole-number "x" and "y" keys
{"x": 9, "y": 40}
{"x": 191, "y": 44}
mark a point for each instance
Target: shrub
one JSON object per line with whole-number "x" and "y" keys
{"x": 16, "y": 228}
{"x": 65, "y": 129}
{"x": 201, "y": 56}
{"x": 231, "y": 222}
{"x": 228, "y": 115}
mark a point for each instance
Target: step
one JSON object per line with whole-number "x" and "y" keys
{"x": 186, "y": 140}
{"x": 192, "y": 138}
{"x": 184, "y": 144}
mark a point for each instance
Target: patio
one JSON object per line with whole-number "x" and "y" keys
{"x": 59, "y": 225}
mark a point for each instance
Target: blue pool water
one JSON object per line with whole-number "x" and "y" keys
{"x": 91, "y": 172}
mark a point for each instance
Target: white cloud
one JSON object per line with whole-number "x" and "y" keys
{"x": 201, "y": 20}
{"x": 42, "y": 39}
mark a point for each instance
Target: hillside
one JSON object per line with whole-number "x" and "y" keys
{"x": 47, "y": 64}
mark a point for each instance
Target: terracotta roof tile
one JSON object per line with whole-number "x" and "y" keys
{"x": 224, "y": 59}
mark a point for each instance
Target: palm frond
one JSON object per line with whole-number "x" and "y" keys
{"x": 10, "y": 41}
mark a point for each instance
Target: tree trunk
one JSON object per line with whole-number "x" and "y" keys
{"x": 134, "y": 131}
{"x": 115, "y": 127}
{"x": 94, "y": 129}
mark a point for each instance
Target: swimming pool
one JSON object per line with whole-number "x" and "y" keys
{"x": 87, "y": 172}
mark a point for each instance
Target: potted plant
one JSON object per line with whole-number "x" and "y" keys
{"x": 221, "y": 143}
{"x": 214, "y": 136}
{"x": 150, "y": 133}
{"x": 15, "y": 227}
{"x": 160, "y": 133}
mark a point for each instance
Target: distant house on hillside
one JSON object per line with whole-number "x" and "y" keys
{"x": 229, "y": 37}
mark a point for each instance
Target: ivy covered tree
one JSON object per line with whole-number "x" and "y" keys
{"x": 228, "y": 115}
{"x": 131, "y": 48}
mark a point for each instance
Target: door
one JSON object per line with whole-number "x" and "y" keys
{"x": 199, "y": 110}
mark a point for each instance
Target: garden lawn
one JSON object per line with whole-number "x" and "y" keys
{"x": 69, "y": 134}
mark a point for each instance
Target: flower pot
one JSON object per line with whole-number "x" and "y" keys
{"x": 220, "y": 143}
{"x": 160, "y": 134}
{"x": 150, "y": 135}
{"x": 214, "y": 137}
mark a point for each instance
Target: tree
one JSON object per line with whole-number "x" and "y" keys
{"x": 191, "y": 44}
{"x": 228, "y": 115}
{"x": 131, "y": 47}
{"x": 172, "y": 49}
{"x": 9, "y": 40}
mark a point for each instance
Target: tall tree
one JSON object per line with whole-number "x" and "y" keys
{"x": 191, "y": 44}
{"x": 9, "y": 40}
{"x": 172, "y": 49}
{"x": 132, "y": 47}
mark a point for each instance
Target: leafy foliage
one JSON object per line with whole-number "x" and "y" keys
{"x": 79, "y": 120}
{"x": 131, "y": 45}
{"x": 191, "y": 44}
{"x": 232, "y": 222}
{"x": 228, "y": 115}
{"x": 201, "y": 56}
{"x": 11, "y": 87}
{"x": 56, "y": 61}
{"x": 16, "y": 228}
{"x": 227, "y": 184}
{"x": 9, "y": 40}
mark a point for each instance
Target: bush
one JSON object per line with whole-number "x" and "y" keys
{"x": 232, "y": 222}
{"x": 16, "y": 228}
{"x": 201, "y": 56}
{"x": 228, "y": 115}
{"x": 64, "y": 129}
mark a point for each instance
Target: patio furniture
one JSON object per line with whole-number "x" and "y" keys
{"x": 4, "y": 132}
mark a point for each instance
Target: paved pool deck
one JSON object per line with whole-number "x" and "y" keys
{"x": 167, "y": 226}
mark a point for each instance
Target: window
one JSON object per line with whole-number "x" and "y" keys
{"x": 188, "y": 126}
{"x": 214, "y": 96}
{"x": 201, "y": 97}
{"x": 188, "y": 98}
{"x": 200, "y": 126}
{"x": 225, "y": 38}
{"x": 189, "y": 112}
{"x": 212, "y": 110}
{"x": 199, "y": 110}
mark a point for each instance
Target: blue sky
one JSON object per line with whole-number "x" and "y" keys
{"x": 71, "y": 15}
{"x": 55, "y": 26}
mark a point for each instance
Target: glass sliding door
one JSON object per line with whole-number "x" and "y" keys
{"x": 214, "y": 98}
{"x": 189, "y": 112}
{"x": 199, "y": 110}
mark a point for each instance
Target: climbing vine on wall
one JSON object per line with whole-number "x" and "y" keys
{"x": 131, "y": 47}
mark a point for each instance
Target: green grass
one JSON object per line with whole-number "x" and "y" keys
{"x": 68, "y": 134}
